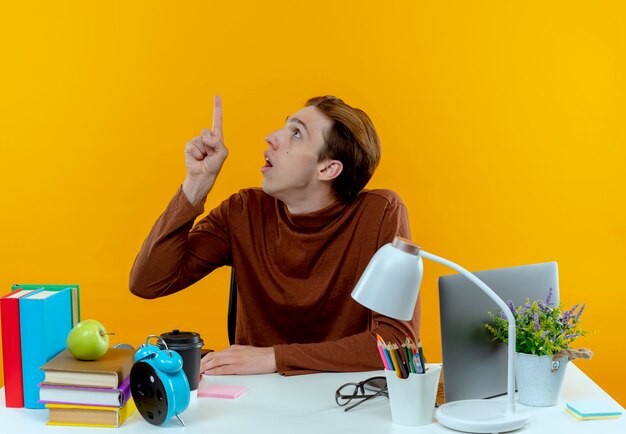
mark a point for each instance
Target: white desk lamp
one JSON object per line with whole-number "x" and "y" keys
{"x": 390, "y": 285}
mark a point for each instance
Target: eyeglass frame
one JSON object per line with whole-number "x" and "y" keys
{"x": 362, "y": 397}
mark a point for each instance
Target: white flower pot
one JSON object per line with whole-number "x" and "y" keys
{"x": 539, "y": 379}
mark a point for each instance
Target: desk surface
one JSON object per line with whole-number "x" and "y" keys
{"x": 306, "y": 404}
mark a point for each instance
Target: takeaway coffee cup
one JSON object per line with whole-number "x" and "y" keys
{"x": 189, "y": 346}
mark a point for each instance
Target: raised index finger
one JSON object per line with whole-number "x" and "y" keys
{"x": 217, "y": 114}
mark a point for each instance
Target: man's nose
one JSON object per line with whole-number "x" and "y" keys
{"x": 271, "y": 140}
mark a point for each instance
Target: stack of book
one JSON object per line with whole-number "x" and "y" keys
{"x": 36, "y": 320}
{"x": 88, "y": 393}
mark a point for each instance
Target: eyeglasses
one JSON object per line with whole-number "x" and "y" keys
{"x": 377, "y": 386}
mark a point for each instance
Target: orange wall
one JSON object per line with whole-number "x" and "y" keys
{"x": 502, "y": 127}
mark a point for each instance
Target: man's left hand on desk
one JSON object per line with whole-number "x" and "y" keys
{"x": 239, "y": 359}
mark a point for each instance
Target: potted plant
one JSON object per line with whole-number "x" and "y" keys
{"x": 543, "y": 346}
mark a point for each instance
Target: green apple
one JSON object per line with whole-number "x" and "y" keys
{"x": 88, "y": 340}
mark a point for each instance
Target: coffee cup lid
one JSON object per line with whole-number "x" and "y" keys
{"x": 177, "y": 339}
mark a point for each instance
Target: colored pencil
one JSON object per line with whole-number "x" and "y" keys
{"x": 418, "y": 363}
{"x": 421, "y": 354}
{"x": 382, "y": 356}
{"x": 401, "y": 356}
{"x": 408, "y": 357}
{"x": 385, "y": 349}
{"x": 396, "y": 363}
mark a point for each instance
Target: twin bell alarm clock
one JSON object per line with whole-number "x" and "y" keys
{"x": 158, "y": 383}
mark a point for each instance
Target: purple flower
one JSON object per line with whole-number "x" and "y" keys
{"x": 572, "y": 336}
{"x": 511, "y": 306}
{"x": 536, "y": 321}
{"x": 549, "y": 297}
{"x": 544, "y": 334}
{"x": 502, "y": 315}
{"x": 572, "y": 310}
{"x": 566, "y": 316}
{"x": 579, "y": 312}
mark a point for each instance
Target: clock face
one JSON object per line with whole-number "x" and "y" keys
{"x": 148, "y": 393}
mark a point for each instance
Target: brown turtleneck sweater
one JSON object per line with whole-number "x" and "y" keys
{"x": 295, "y": 273}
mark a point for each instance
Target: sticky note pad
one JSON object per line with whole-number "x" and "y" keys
{"x": 222, "y": 391}
{"x": 593, "y": 409}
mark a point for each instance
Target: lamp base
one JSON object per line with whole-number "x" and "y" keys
{"x": 480, "y": 416}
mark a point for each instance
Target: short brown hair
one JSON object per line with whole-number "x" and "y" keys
{"x": 352, "y": 140}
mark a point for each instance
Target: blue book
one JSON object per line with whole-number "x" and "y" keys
{"x": 45, "y": 321}
{"x": 75, "y": 296}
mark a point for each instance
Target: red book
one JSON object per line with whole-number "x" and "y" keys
{"x": 12, "y": 348}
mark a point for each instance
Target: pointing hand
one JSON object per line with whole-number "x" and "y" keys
{"x": 205, "y": 154}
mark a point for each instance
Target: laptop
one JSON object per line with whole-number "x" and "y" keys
{"x": 474, "y": 367}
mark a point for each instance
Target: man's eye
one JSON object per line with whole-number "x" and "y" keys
{"x": 297, "y": 134}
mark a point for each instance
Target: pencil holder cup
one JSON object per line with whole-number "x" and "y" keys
{"x": 412, "y": 399}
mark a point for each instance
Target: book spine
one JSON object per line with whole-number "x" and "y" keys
{"x": 12, "y": 352}
{"x": 45, "y": 324}
{"x": 125, "y": 394}
{"x": 126, "y": 411}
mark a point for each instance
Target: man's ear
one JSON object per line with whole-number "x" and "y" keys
{"x": 329, "y": 169}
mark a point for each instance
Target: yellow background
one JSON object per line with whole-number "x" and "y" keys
{"x": 502, "y": 123}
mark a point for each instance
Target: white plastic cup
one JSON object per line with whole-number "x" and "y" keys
{"x": 412, "y": 399}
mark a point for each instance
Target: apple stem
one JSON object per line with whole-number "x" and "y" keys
{"x": 107, "y": 334}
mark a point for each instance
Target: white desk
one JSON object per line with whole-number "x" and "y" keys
{"x": 306, "y": 404}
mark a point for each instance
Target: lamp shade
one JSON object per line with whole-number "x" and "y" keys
{"x": 390, "y": 283}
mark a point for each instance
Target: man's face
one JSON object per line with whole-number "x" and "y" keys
{"x": 292, "y": 168}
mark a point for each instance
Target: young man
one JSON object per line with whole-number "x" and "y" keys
{"x": 298, "y": 245}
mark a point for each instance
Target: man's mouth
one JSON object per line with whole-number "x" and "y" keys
{"x": 268, "y": 164}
